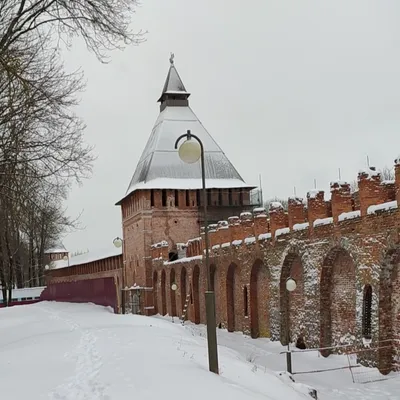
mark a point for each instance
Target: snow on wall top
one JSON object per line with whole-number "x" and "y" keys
{"x": 370, "y": 172}
{"x": 86, "y": 258}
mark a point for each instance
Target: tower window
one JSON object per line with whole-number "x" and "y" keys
{"x": 176, "y": 198}
{"x": 152, "y": 198}
{"x": 230, "y": 197}
{"x": 187, "y": 198}
{"x": 220, "y": 197}
{"x": 241, "y": 197}
{"x": 209, "y": 197}
{"x": 164, "y": 197}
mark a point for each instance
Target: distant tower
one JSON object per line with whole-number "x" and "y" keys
{"x": 57, "y": 252}
{"x": 163, "y": 198}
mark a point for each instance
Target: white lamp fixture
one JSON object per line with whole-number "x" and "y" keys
{"x": 291, "y": 284}
{"x": 65, "y": 258}
{"x": 174, "y": 286}
{"x": 190, "y": 151}
{"x": 46, "y": 267}
{"x": 117, "y": 242}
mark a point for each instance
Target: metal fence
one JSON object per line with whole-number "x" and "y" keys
{"x": 360, "y": 361}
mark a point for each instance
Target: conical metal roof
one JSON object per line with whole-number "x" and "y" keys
{"x": 160, "y": 167}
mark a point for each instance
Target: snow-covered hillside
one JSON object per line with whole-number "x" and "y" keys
{"x": 62, "y": 351}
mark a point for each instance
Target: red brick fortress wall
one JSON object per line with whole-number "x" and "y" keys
{"x": 336, "y": 250}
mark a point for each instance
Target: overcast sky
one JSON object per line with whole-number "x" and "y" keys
{"x": 289, "y": 89}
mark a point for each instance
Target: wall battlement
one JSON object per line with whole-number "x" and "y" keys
{"x": 304, "y": 218}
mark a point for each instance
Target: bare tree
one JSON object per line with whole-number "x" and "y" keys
{"x": 103, "y": 25}
{"x": 41, "y": 139}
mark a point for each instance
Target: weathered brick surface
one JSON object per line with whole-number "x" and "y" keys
{"x": 331, "y": 258}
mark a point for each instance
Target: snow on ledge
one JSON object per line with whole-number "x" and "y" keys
{"x": 250, "y": 240}
{"x": 237, "y": 242}
{"x": 301, "y": 227}
{"x": 227, "y": 244}
{"x": 323, "y": 221}
{"x": 184, "y": 259}
{"x": 282, "y": 231}
{"x": 390, "y": 205}
{"x": 349, "y": 215}
{"x": 264, "y": 236}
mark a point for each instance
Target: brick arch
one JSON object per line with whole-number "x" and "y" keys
{"x": 196, "y": 293}
{"x": 259, "y": 293}
{"x": 389, "y": 312}
{"x": 337, "y": 298}
{"x": 172, "y": 292}
{"x": 183, "y": 291}
{"x": 155, "y": 297}
{"x": 292, "y": 305}
{"x": 232, "y": 295}
{"x": 163, "y": 293}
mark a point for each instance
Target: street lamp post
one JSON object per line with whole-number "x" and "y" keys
{"x": 174, "y": 287}
{"x": 118, "y": 243}
{"x": 190, "y": 151}
{"x": 291, "y": 285}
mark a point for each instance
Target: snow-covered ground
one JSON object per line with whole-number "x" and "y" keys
{"x": 62, "y": 351}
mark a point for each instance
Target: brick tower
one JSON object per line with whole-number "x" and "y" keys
{"x": 163, "y": 200}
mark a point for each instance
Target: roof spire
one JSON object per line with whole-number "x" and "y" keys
{"x": 174, "y": 89}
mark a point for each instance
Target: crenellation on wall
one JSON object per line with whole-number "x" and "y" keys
{"x": 397, "y": 178}
{"x": 296, "y": 212}
{"x": 316, "y": 206}
{"x": 341, "y": 199}
{"x": 277, "y": 217}
{"x": 369, "y": 188}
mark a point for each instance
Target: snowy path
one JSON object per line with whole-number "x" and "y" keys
{"x": 85, "y": 383}
{"x": 62, "y": 351}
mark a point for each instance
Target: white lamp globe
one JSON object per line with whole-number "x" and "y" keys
{"x": 46, "y": 267}
{"x": 117, "y": 242}
{"x": 291, "y": 284}
{"x": 190, "y": 151}
{"x": 174, "y": 286}
{"x": 65, "y": 258}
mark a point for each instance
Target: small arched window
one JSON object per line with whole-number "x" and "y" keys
{"x": 366, "y": 315}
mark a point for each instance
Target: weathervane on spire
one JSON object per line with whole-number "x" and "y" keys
{"x": 171, "y": 59}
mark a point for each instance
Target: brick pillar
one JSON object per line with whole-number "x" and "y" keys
{"x": 369, "y": 187}
{"x": 213, "y": 236}
{"x": 316, "y": 206}
{"x": 340, "y": 199}
{"x": 235, "y": 228}
{"x": 397, "y": 181}
{"x": 260, "y": 222}
{"x": 388, "y": 191}
{"x": 224, "y": 232}
{"x": 246, "y": 220}
{"x": 295, "y": 211}
{"x": 277, "y": 217}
